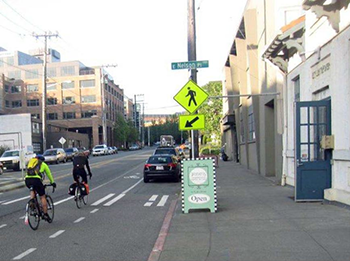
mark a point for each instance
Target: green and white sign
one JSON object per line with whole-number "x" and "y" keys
{"x": 198, "y": 185}
{"x": 189, "y": 65}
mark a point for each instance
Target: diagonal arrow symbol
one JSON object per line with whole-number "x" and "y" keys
{"x": 189, "y": 123}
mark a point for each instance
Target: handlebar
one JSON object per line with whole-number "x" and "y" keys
{"x": 50, "y": 185}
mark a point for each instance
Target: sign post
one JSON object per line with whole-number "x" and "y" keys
{"x": 198, "y": 185}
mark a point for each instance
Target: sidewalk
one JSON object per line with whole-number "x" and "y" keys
{"x": 10, "y": 180}
{"x": 258, "y": 220}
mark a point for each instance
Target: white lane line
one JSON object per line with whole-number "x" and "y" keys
{"x": 79, "y": 219}
{"x": 109, "y": 203}
{"x": 59, "y": 232}
{"x": 126, "y": 191}
{"x": 15, "y": 200}
{"x": 3, "y": 225}
{"x": 163, "y": 201}
{"x": 30, "y": 250}
{"x": 102, "y": 199}
{"x": 63, "y": 200}
{"x": 153, "y": 198}
{"x": 94, "y": 211}
{"x": 148, "y": 204}
{"x": 23, "y": 217}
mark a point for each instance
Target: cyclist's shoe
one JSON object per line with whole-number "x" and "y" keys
{"x": 47, "y": 218}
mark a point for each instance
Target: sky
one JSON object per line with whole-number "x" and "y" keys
{"x": 142, "y": 38}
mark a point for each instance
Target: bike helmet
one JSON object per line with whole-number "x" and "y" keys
{"x": 40, "y": 157}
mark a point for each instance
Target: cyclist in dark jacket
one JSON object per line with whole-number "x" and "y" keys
{"x": 79, "y": 163}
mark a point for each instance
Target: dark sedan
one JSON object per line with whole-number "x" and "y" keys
{"x": 161, "y": 166}
{"x": 71, "y": 153}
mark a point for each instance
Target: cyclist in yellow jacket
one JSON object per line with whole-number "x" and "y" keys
{"x": 36, "y": 170}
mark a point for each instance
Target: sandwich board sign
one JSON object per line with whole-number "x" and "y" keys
{"x": 198, "y": 184}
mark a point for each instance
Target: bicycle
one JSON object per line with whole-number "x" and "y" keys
{"x": 80, "y": 195}
{"x": 34, "y": 209}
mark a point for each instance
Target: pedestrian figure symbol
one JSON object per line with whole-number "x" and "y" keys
{"x": 192, "y": 95}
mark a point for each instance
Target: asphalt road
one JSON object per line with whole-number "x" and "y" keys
{"x": 121, "y": 221}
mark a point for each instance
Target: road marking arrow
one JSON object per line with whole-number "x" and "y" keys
{"x": 189, "y": 123}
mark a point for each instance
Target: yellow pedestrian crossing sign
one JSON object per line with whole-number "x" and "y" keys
{"x": 191, "y": 122}
{"x": 191, "y": 96}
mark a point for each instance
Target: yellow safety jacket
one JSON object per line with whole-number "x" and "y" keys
{"x": 44, "y": 169}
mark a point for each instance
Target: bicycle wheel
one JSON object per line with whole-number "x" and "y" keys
{"x": 33, "y": 214}
{"x": 50, "y": 208}
{"x": 85, "y": 199}
{"x": 78, "y": 197}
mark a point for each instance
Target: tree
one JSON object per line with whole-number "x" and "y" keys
{"x": 213, "y": 112}
{"x": 121, "y": 129}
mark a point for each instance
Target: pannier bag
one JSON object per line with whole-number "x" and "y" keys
{"x": 85, "y": 188}
{"x": 71, "y": 190}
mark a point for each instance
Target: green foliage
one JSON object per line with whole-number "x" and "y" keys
{"x": 213, "y": 112}
{"x": 169, "y": 127}
{"x": 124, "y": 131}
{"x": 3, "y": 149}
{"x": 207, "y": 150}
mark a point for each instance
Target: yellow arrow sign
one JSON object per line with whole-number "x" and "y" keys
{"x": 192, "y": 122}
{"x": 191, "y": 96}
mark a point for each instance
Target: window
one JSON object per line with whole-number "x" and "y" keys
{"x": 36, "y": 147}
{"x": 51, "y": 86}
{"x": 35, "y": 115}
{"x": 52, "y": 116}
{"x": 51, "y": 101}
{"x": 241, "y": 125}
{"x": 88, "y": 114}
{"x": 296, "y": 82}
{"x": 7, "y": 88}
{"x": 251, "y": 125}
{"x": 67, "y": 70}
{"x": 32, "y": 74}
{"x": 88, "y": 98}
{"x": 17, "y": 104}
{"x": 51, "y": 72}
{"x": 87, "y": 83}
{"x": 69, "y": 115}
{"x": 33, "y": 103}
{"x": 32, "y": 88}
{"x": 36, "y": 127}
{"x": 15, "y": 74}
{"x": 69, "y": 100}
{"x": 16, "y": 89}
{"x": 68, "y": 85}
{"x": 7, "y": 104}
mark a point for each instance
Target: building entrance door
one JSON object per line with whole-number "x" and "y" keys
{"x": 313, "y": 164}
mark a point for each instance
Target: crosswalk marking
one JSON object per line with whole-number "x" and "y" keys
{"x": 3, "y": 225}
{"x": 102, "y": 199}
{"x": 109, "y": 203}
{"x": 153, "y": 198}
{"x": 94, "y": 211}
{"x": 163, "y": 201}
{"x": 148, "y": 204}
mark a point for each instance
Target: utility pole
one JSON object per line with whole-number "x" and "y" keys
{"x": 104, "y": 120}
{"x": 43, "y": 101}
{"x": 191, "y": 49}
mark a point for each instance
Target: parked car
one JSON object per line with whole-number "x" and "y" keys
{"x": 71, "y": 153}
{"x": 110, "y": 150}
{"x": 10, "y": 159}
{"x": 171, "y": 151}
{"x": 162, "y": 166}
{"x": 115, "y": 149}
{"x": 134, "y": 147}
{"x": 55, "y": 155}
{"x": 100, "y": 150}
{"x": 84, "y": 150}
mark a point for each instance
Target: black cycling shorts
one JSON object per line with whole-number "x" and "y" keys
{"x": 36, "y": 184}
{"x": 81, "y": 173}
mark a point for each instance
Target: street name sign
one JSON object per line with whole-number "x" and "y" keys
{"x": 191, "y": 96}
{"x": 192, "y": 122}
{"x": 198, "y": 184}
{"x": 189, "y": 65}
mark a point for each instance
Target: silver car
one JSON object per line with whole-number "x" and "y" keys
{"x": 56, "y": 155}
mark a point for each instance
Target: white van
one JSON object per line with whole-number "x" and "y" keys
{"x": 100, "y": 150}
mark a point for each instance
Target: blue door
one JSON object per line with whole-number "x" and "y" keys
{"x": 313, "y": 164}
